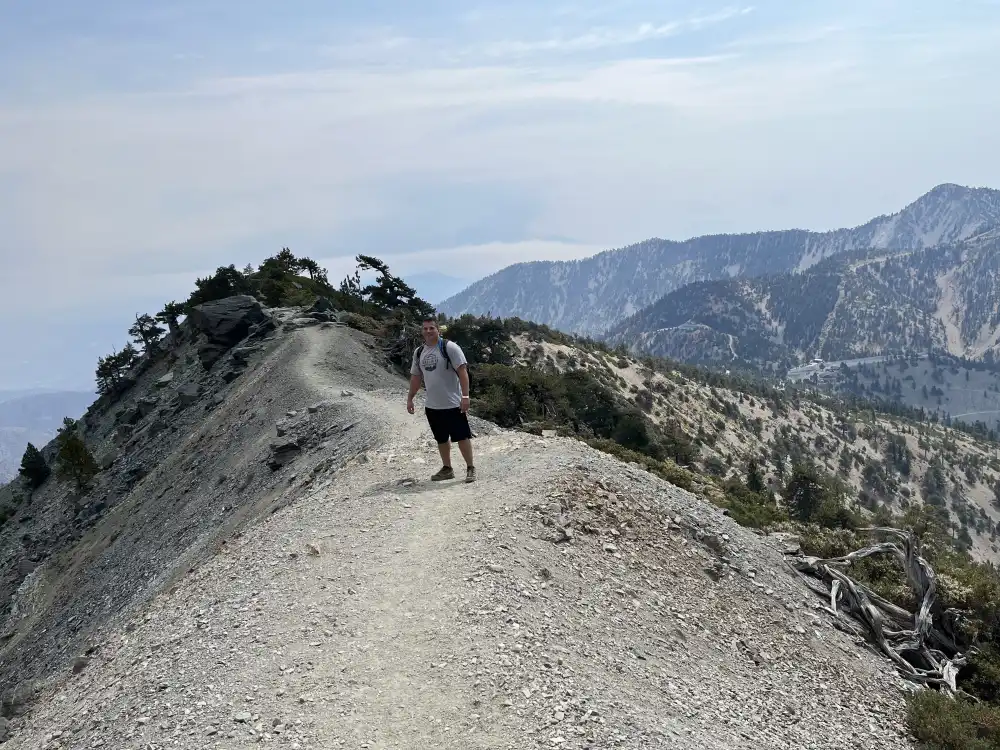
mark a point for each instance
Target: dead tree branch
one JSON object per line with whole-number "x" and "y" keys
{"x": 919, "y": 647}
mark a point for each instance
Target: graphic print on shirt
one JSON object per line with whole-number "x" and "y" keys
{"x": 429, "y": 361}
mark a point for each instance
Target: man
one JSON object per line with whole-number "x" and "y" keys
{"x": 442, "y": 368}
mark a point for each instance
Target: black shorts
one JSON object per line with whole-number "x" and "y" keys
{"x": 449, "y": 424}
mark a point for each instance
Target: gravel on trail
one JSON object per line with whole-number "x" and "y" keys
{"x": 564, "y": 600}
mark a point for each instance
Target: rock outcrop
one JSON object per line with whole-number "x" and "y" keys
{"x": 224, "y": 324}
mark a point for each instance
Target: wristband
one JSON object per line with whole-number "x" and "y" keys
{"x": 465, "y": 398}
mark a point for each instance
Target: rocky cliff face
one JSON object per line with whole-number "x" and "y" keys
{"x": 592, "y": 295}
{"x": 186, "y": 456}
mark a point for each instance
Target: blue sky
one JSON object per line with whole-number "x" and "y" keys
{"x": 142, "y": 145}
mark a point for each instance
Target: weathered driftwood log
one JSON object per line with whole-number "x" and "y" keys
{"x": 916, "y": 642}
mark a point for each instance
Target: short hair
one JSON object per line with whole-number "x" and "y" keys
{"x": 429, "y": 319}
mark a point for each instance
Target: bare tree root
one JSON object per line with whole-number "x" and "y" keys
{"x": 921, "y": 644}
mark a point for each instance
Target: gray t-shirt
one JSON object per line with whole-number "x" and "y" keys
{"x": 443, "y": 389}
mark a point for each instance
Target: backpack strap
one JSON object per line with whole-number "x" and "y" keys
{"x": 443, "y": 346}
{"x": 417, "y": 353}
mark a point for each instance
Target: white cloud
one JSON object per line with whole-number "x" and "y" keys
{"x": 793, "y": 36}
{"x": 604, "y": 37}
{"x": 472, "y": 260}
{"x": 239, "y": 159}
{"x": 840, "y": 125}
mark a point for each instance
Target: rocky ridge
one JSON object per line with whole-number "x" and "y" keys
{"x": 565, "y": 600}
{"x": 183, "y": 446}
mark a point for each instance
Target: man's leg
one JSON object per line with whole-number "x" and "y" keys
{"x": 461, "y": 433}
{"x": 465, "y": 447}
{"x": 438, "y": 421}
{"x": 445, "y": 450}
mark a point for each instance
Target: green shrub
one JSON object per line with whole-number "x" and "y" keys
{"x": 942, "y": 723}
{"x": 756, "y": 510}
{"x": 665, "y": 469}
{"x": 363, "y": 323}
{"x": 833, "y": 514}
{"x": 982, "y": 675}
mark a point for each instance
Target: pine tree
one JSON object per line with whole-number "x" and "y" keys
{"x": 755, "y": 482}
{"x": 351, "y": 286}
{"x": 145, "y": 331}
{"x": 74, "y": 461}
{"x": 391, "y": 292}
{"x": 169, "y": 315}
{"x": 804, "y": 493}
{"x": 111, "y": 370}
{"x": 315, "y": 271}
{"x": 33, "y": 467}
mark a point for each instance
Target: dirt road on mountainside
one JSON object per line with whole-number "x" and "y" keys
{"x": 565, "y": 600}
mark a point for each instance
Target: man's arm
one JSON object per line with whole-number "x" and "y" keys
{"x": 463, "y": 380}
{"x": 415, "y": 381}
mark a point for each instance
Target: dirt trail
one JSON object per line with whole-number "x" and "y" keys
{"x": 406, "y": 609}
{"x": 372, "y": 612}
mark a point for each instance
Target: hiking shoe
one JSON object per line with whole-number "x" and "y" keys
{"x": 470, "y": 475}
{"x": 446, "y": 472}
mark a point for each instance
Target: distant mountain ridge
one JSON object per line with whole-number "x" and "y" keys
{"x": 943, "y": 299}
{"x": 592, "y": 295}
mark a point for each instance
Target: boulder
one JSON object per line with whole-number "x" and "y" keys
{"x": 156, "y": 427}
{"x": 187, "y": 394}
{"x": 122, "y": 433}
{"x": 262, "y": 329}
{"x": 80, "y": 663}
{"x": 165, "y": 380}
{"x": 282, "y": 453}
{"x": 107, "y": 459}
{"x": 146, "y": 405}
{"x": 242, "y": 353}
{"x": 296, "y": 323}
{"x": 322, "y": 305}
{"x": 128, "y": 416}
{"x": 210, "y": 353}
{"x": 225, "y": 323}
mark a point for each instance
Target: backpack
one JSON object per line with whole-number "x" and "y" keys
{"x": 442, "y": 347}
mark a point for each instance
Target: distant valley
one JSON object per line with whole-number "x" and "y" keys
{"x": 33, "y": 416}
{"x": 946, "y": 388}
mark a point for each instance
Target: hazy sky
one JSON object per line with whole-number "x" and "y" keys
{"x": 142, "y": 144}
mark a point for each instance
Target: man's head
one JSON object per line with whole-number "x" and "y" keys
{"x": 430, "y": 331}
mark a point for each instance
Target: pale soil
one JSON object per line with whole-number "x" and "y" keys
{"x": 369, "y": 613}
